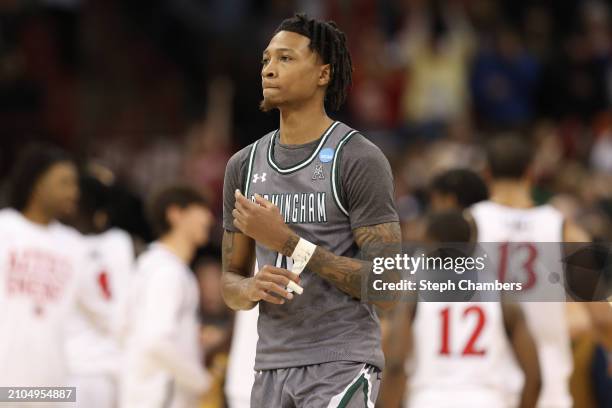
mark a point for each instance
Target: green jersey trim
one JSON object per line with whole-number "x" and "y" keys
{"x": 247, "y": 182}
{"x": 336, "y": 171}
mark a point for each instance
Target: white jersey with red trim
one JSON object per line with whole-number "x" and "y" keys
{"x": 93, "y": 346}
{"x": 531, "y": 237}
{"x": 459, "y": 356}
{"x": 40, "y": 269}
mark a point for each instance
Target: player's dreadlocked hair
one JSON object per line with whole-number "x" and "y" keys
{"x": 330, "y": 43}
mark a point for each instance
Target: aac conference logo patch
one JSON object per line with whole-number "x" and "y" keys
{"x": 326, "y": 155}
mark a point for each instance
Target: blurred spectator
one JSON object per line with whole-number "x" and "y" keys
{"x": 573, "y": 85}
{"x": 503, "y": 81}
{"x": 436, "y": 45}
{"x": 538, "y": 28}
{"x": 377, "y": 84}
{"x": 549, "y": 151}
{"x": 208, "y": 144}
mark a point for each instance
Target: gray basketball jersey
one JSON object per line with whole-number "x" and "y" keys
{"x": 323, "y": 324}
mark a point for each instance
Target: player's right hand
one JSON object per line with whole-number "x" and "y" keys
{"x": 269, "y": 285}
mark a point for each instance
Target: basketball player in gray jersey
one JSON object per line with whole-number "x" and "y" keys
{"x": 307, "y": 198}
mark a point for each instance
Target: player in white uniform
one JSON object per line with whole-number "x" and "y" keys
{"x": 164, "y": 362}
{"x": 511, "y": 216}
{"x": 94, "y": 353}
{"x": 458, "y": 349}
{"x": 41, "y": 266}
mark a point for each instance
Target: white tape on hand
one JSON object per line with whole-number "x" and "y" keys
{"x": 294, "y": 287}
{"x": 301, "y": 255}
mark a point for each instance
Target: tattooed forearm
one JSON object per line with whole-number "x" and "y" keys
{"x": 290, "y": 245}
{"x": 237, "y": 262}
{"x": 347, "y": 273}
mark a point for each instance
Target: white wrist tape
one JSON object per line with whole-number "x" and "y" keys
{"x": 301, "y": 255}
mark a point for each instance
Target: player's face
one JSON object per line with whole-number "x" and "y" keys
{"x": 291, "y": 72}
{"x": 197, "y": 222}
{"x": 57, "y": 191}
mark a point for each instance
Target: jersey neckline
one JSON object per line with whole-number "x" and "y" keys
{"x": 304, "y": 163}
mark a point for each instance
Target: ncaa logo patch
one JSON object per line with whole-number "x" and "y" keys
{"x": 326, "y": 155}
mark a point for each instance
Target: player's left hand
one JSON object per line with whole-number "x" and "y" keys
{"x": 262, "y": 221}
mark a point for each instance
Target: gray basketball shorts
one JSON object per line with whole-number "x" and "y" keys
{"x": 336, "y": 384}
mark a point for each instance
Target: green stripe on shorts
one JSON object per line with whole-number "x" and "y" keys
{"x": 353, "y": 389}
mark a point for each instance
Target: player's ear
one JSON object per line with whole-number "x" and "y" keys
{"x": 325, "y": 75}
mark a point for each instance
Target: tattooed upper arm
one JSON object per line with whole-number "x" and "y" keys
{"x": 379, "y": 240}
